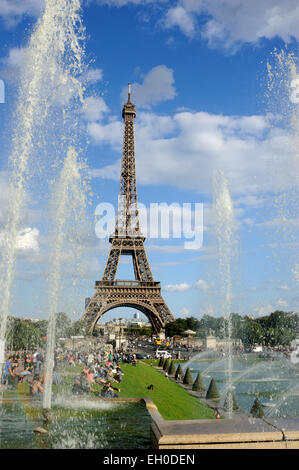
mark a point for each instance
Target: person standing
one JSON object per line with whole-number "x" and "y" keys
{"x": 9, "y": 377}
{"x": 35, "y": 363}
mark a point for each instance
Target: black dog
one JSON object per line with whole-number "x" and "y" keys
{"x": 150, "y": 387}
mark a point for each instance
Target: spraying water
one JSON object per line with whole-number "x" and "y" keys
{"x": 66, "y": 198}
{"x": 225, "y": 226}
{"x": 283, "y": 103}
{"x": 53, "y": 58}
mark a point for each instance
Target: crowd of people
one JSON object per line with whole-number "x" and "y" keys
{"x": 23, "y": 366}
{"x": 97, "y": 370}
{"x": 101, "y": 372}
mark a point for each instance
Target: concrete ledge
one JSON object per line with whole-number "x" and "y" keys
{"x": 288, "y": 426}
{"x": 241, "y": 433}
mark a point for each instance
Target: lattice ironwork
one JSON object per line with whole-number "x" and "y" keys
{"x": 144, "y": 293}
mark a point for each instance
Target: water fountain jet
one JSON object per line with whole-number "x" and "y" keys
{"x": 225, "y": 226}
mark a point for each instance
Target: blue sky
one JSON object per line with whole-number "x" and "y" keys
{"x": 199, "y": 81}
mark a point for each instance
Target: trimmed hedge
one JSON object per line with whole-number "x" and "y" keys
{"x": 171, "y": 368}
{"x": 179, "y": 373}
{"x": 188, "y": 379}
{"x": 230, "y": 396}
{"x": 198, "y": 385}
{"x": 257, "y": 410}
{"x": 161, "y": 362}
{"x": 213, "y": 392}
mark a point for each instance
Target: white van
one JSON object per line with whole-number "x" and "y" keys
{"x": 164, "y": 354}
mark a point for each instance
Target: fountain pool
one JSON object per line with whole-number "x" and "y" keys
{"x": 85, "y": 425}
{"x": 274, "y": 381}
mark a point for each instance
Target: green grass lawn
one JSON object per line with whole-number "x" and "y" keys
{"x": 172, "y": 401}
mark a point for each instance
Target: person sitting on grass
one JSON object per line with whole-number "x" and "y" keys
{"x": 101, "y": 372}
{"x": 118, "y": 377}
{"x": 108, "y": 391}
{"x": 110, "y": 375}
{"x": 77, "y": 388}
{"x": 90, "y": 376}
{"x": 36, "y": 387}
{"x": 84, "y": 383}
{"x": 21, "y": 373}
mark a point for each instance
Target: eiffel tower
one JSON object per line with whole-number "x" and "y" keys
{"x": 143, "y": 293}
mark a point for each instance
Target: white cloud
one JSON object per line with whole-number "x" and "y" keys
{"x": 284, "y": 287}
{"x": 12, "y": 11}
{"x": 27, "y": 240}
{"x": 263, "y": 310}
{"x": 177, "y": 287}
{"x": 16, "y": 58}
{"x": 157, "y": 86}
{"x": 179, "y": 16}
{"x": 201, "y": 284}
{"x": 94, "y": 75}
{"x": 230, "y": 22}
{"x": 95, "y": 108}
{"x": 185, "y": 311}
{"x": 184, "y": 149}
{"x": 111, "y": 134}
{"x": 121, "y": 3}
{"x": 282, "y": 303}
{"x": 227, "y": 23}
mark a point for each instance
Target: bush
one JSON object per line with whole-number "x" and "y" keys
{"x": 166, "y": 364}
{"x": 213, "y": 392}
{"x": 179, "y": 372}
{"x": 198, "y": 385}
{"x": 188, "y": 380}
{"x": 231, "y": 396}
{"x": 257, "y": 410}
{"x": 161, "y": 362}
{"x": 171, "y": 369}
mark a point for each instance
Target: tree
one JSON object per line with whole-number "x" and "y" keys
{"x": 176, "y": 327}
{"x": 78, "y": 328}
{"x": 42, "y": 325}
{"x": 171, "y": 369}
{"x": 198, "y": 385}
{"x": 63, "y": 325}
{"x": 280, "y": 329}
{"x": 188, "y": 379}
{"x": 212, "y": 323}
{"x": 179, "y": 373}
{"x": 24, "y": 334}
{"x": 257, "y": 410}
{"x": 230, "y": 400}
{"x": 192, "y": 323}
{"x": 213, "y": 392}
{"x": 253, "y": 333}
